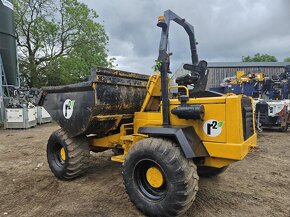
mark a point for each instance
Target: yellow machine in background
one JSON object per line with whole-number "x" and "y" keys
{"x": 248, "y": 84}
{"x": 242, "y": 78}
{"x": 172, "y": 140}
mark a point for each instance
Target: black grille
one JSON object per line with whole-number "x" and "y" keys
{"x": 247, "y": 112}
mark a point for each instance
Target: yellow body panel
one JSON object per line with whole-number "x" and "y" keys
{"x": 234, "y": 120}
{"x": 234, "y": 151}
{"x": 152, "y": 99}
{"x": 212, "y": 111}
{"x": 106, "y": 142}
{"x": 217, "y": 162}
{"x": 225, "y": 145}
{"x": 206, "y": 100}
{"x": 146, "y": 118}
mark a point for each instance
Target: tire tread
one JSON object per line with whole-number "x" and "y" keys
{"x": 186, "y": 182}
{"x": 78, "y": 154}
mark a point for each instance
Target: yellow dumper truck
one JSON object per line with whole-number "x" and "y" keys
{"x": 165, "y": 136}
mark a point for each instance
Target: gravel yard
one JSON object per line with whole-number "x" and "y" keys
{"x": 257, "y": 186}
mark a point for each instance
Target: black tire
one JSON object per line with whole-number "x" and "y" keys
{"x": 284, "y": 129}
{"x": 180, "y": 185}
{"x": 205, "y": 171}
{"x": 76, "y": 151}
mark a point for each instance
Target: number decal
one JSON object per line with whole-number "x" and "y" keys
{"x": 212, "y": 127}
{"x": 67, "y": 108}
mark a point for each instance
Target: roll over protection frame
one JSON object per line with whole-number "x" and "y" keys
{"x": 163, "y": 58}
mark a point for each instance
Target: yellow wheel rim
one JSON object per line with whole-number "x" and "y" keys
{"x": 62, "y": 154}
{"x": 154, "y": 177}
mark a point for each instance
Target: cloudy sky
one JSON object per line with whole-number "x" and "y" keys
{"x": 225, "y": 30}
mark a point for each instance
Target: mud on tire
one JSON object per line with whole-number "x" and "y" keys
{"x": 180, "y": 185}
{"x": 67, "y": 157}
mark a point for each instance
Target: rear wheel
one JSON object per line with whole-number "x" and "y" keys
{"x": 67, "y": 157}
{"x": 205, "y": 171}
{"x": 158, "y": 178}
{"x": 284, "y": 128}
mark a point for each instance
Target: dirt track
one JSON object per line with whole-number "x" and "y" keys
{"x": 257, "y": 186}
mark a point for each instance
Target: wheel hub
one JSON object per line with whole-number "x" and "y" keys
{"x": 154, "y": 177}
{"x": 62, "y": 154}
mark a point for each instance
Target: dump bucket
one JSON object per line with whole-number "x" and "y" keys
{"x": 98, "y": 106}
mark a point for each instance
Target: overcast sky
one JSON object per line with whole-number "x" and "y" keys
{"x": 225, "y": 30}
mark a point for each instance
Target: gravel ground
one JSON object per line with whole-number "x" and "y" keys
{"x": 257, "y": 186}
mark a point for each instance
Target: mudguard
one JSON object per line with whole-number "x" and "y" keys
{"x": 186, "y": 137}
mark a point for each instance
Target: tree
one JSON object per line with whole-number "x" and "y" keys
{"x": 259, "y": 58}
{"x": 287, "y": 59}
{"x": 59, "y": 41}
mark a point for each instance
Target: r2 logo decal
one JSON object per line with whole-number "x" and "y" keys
{"x": 67, "y": 108}
{"x": 213, "y": 128}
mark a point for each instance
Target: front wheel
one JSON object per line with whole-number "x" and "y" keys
{"x": 67, "y": 157}
{"x": 158, "y": 178}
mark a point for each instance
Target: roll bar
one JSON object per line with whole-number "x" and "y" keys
{"x": 163, "y": 58}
